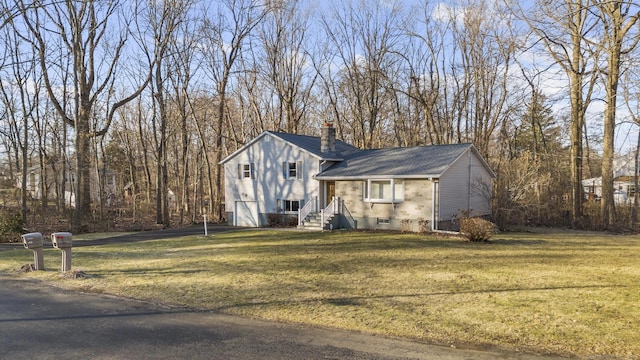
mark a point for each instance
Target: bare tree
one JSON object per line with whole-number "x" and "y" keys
{"x": 95, "y": 42}
{"x": 620, "y": 37}
{"x": 364, "y": 37}
{"x": 226, "y": 31}
{"x": 564, "y": 27}
{"x": 19, "y": 104}
{"x": 185, "y": 63}
{"x": 282, "y": 37}
{"x": 425, "y": 83}
{"x": 161, "y": 20}
{"x": 631, "y": 96}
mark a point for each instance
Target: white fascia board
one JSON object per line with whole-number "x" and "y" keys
{"x": 375, "y": 177}
{"x": 268, "y": 133}
{"x": 475, "y": 151}
{"x": 245, "y": 146}
{"x": 483, "y": 161}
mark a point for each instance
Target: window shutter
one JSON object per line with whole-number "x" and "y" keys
{"x": 239, "y": 171}
{"x": 299, "y": 170}
{"x": 285, "y": 168}
{"x": 365, "y": 192}
{"x": 253, "y": 176}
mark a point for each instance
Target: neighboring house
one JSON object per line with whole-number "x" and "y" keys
{"x": 54, "y": 176}
{"x": 623, "y": 181}
{"x": 398, "y": 188}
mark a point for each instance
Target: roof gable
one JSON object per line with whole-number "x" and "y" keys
{"x": 310, "y": 144}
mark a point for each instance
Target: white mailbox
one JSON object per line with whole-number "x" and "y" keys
{"x": 63, "y": 242}
{"x": 34, "y": 241}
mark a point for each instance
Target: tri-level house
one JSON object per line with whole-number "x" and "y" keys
{"x": 330, "y": 184}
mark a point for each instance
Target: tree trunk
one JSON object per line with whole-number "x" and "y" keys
{"x": 83, "y": 168}
{"x": 217, "y": 201}
{"x": 607, "y": 203}
{"x": 576, "y": 148}
{"x": 634, "y": 211}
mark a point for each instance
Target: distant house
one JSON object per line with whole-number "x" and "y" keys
{"x": 328, "y": 183}
{"x": 60, "y": 173}
{"x": 623, "y": 181}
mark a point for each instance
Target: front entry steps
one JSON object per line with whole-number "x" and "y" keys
{"x": 313, "y": 221}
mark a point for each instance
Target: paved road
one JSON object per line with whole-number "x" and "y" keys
{"x": 39, "y": 321}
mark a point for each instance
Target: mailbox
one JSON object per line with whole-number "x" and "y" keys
{"x": 32, "y": 240}
{"x": 61, "y": 240}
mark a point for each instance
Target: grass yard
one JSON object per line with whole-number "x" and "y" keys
{"x": 564, "y": 293}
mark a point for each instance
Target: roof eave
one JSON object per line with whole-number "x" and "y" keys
{"x": 376, "y": 177}
{"x": 275, "y": 136}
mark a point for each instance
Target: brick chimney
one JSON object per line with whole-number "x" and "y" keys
{"x": 328, "y": 138}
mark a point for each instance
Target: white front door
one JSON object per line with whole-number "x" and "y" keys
{"x": 246, "y": 213}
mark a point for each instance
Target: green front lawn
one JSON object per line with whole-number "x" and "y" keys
{"x": 564, "y": 293}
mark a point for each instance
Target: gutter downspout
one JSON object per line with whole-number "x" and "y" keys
{"x": 434, "y": 208}
{"x": 469, "y": 184}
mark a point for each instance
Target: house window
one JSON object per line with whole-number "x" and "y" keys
{"x": 383, "y": 191}
{"x": 245, "y": 171}
{"x": 292, "y": 170}
{"x": 289, "y": 205}
{"x": 382, "y": 221}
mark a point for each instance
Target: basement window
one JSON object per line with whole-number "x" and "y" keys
{"x": 382, "y": 221}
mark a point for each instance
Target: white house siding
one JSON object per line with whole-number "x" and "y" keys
{"x": 455, "y": 193}
{"x": 54, "y": 177}
{"x": 417, "y": 205}
{"x": 268, "y": 185}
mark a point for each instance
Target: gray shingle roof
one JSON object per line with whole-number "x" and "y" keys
{"x": 396, "y": 162}
{"x": 312, "y": 145}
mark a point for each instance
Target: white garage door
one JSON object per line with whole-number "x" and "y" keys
{"x": 247, "y": 213}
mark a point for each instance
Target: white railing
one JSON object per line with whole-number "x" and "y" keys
{"x": 331, "y": 209}
{"x": 307, "y": 209}
{"x": 347, "y": 215}
{"x": 335, "y": 207}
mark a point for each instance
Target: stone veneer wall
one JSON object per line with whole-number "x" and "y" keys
{"x": 417, "y": 205}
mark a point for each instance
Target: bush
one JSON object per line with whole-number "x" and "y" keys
{"x": 11, "y": 226}
{"x": 477, "y": 229}
{"x": 282, "y": 220}
{"x": 424, "y": 226}
{"x": 405, "y": 225}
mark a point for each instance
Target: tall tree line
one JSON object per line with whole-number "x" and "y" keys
{"x": 161, "y": 91}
